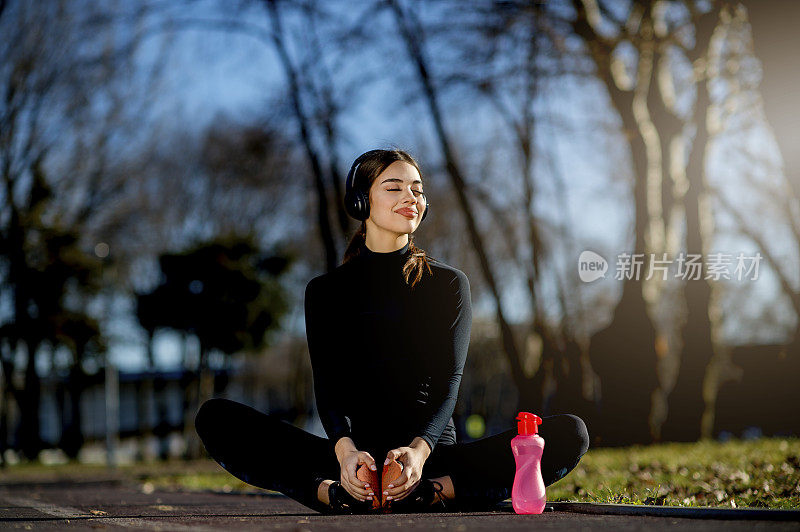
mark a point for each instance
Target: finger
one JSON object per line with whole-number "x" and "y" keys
{"x": 358, "y": 484}
{"x": 355, "y": 489}
{"x": 406, "y": 493}
{"x": 367, "y": 459}
{"x": 399, "y": 484}
{"x": 350, "y": 490}
{"x": 355, "y": 486}
{"x": 355, "y": 481}
{"x": 394, "y": 454}
{"x": 402, "y": 490}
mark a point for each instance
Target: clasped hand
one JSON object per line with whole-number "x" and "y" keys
{"x": 413, "y": 460}
{"x": 412, "y": 457}
{"x": 349, "y": 464}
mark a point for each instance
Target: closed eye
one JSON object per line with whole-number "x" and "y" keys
{"x": 416, "y": 192}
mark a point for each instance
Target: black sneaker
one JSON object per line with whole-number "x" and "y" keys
{"x": 426, "y": 497}
{"x": 342, "y": 503}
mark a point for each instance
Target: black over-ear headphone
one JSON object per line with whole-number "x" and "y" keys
{"x": 356, "y": 200}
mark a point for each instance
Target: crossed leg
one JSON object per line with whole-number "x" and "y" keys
{"x": 269, "y": 453}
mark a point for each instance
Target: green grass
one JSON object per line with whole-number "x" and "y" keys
{"x": 757, "y": 473}
{"x": 172, "y": 475}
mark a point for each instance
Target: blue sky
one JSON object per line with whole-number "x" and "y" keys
{"x": 213, "y": 73}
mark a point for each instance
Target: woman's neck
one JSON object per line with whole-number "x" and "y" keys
{"x": 385, "y": 242}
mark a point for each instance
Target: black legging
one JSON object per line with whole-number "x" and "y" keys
{"x": 270, "y": 453}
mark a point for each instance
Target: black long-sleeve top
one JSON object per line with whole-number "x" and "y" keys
{"x": 387, "y": 359}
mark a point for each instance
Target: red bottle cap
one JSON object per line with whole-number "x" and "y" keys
{"x": 528, "y": 423}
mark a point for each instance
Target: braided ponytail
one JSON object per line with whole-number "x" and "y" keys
{"x": 416, "y": 263}
{"x": 356, "y": 241}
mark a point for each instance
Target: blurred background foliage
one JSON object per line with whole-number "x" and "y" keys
{"x": 172, "y": 177}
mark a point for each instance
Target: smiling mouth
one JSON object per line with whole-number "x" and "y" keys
{"x": 407, "y": 213}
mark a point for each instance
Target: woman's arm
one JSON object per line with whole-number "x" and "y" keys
{"x": 322, "y": 350}
{"x": 448, "y": 354}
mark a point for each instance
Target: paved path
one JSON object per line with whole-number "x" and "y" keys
{"x": 115, "y": 504}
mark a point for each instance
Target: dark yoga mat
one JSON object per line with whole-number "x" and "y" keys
{"x": 757, "y": 514}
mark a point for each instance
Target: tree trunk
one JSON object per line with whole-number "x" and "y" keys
{"x": 323, "y": 216}
{"x": 30, "y": 442}
{"x": 624, "y": 353}
{"x": 71, "y": 433}
{"x": 687, "y": 399}
{"x": 529, "y": 396}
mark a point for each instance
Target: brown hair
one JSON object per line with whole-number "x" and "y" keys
{"x": 373, "y": 163}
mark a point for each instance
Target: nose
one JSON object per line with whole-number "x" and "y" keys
{"x": 410, "y": 197}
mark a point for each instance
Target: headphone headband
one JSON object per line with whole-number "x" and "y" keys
{"x": 351, "y": 175}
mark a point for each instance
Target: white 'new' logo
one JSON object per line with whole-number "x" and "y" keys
{"x": 591, "y": 266}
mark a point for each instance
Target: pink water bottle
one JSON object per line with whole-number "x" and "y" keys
{"x": 528, "y": 495}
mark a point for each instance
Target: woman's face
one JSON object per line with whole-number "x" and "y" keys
{"x": 396, "y": 201}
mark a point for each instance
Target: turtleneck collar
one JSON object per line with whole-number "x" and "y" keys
{"x": 390, "y": 257}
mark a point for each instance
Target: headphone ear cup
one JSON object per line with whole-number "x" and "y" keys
{"x": 361, "y": 202}
{"x": 425, "y": 213}
{"x": 356, "y": 204}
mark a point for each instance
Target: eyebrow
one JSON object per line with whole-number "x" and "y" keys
{"x": 395, "y": 180}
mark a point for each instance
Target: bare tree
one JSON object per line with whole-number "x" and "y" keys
{"x": 297, "y": 96}
{"x": 686, "y": 406}
{"x": 758, "y": 373}
{"x": 49, "y": 73}
{"x": 771, "y": 25}
{"x": 409, "y": 29}
{"x": 505, "y": 61}
{"x": 627, "y": 346}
